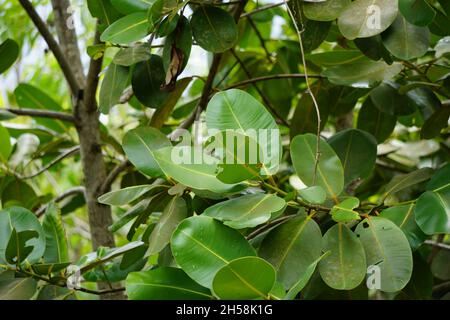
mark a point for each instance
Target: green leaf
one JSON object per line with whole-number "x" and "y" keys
{"x": 357, "y": 151}
{"x": 174, "y": 212}
{"x": 17, "y": 289}
{"x": 407, "y": 180}
{"x": 164, "y": 284}
{"x": 433, "y": 211}
{"x": 247, "y": 211}
{"x": 201, "y": 246}
{"x": 376, "y": 122}
{"x": 238, "y": 279}
{"x": 103, "y": 11}
{"x": 333, "y": 58}
{"x": 49, "y": 268}
{"x": 404, "y": 217}
{"x": 362, "y": 73}
{"x": 367, "y": 18}
{"x": 131, "y": 6}
{"x": 127, "y": 195}
{"x": 140, "y": 146}
{"x": 130, "y": 28}
{"x": 30, "y": 97}
{"x": 21, "y": 219}
{"x": 406, "y": 41}
{"x": 9, "y": 51}
{"x": 325, "y": 11}
{"x": 17, "y": 250}
{"x": 417, "y": 12}
{"x": 301, "y": 283}
{"x": 329, "y": 173}
{"x": 343, "y": 212}
{"x": 147, "y": 79}
{"x": 386, "y": 247}
{"x": 113, "y": 84}
{"x": 214, "y": 29}
{"x": 5, "y": 146}
{"x": 387, "y": 99}
{"x": 56, "y": 247}
{"x": 237, "y": 110}
{"x": 291, "y": 248}
{"x": 315, "y": 194}
{"x": 198, "y": 176}
{"x": 435, "y": 123}
{"x": 345, "y": 267}
{"x": 129, "y": 56}
{"x": 374, "y": 49}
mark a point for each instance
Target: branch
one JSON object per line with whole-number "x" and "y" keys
{"x": 271, "y": 77}
{"x": 53, "y": 45}
{"x": 92, "y": 79}
{"x": 113, "y": 175}
{"x": 261, "y": 40}
{"x": 438, "y": 244}
{"x": 42, "y": 114}
{"x": 64, "y": 155}
{"x": 60, "y": 198}
{"x": 262, "y": 8}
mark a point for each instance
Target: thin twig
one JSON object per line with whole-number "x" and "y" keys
{"x": 261, "y": 40}
{"x": 268, "y": 226}
{"x": 270, "y": 77}
{"x": 61, "y": 197}
{"x": 112, "y": 176}
{"x": 438, "y": 244}
{"x": 42, "y": 114}
{"x": 262, "y": 8}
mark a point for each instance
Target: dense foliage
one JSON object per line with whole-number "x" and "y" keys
{"x": 353, "y": 201}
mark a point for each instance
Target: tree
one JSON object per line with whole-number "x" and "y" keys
{"x": 314, "y": 150}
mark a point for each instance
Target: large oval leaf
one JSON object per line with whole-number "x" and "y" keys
{"x": 127, "y": 195}
{"x": 387, "y": 248}
{"x": 417, "y": 12}
{"x": 147, "y": 79}
{"x": 406, "y": 41}
{"x": 113, "y": 84}
{"x": 130, "y": 6}
{"x": 325, "y": 10}
{"x": 376, "y": 122}
{"x": 329, "y": 174}
{"x": 164, "y": 284}
{"x": 214, "y": 29}
{"x": 367, "y": 18}
{"x": 238, "y": 280}
{"x": 9, "y": 51}
{"x": 140, "y": 145}
{"x": 291, "y": 248}
{"x": 201, "y": 246}
{"x": 56, "y": 247}
{"x": 129, "y": 56}
{"x": 247, "y": 211}
{"x": 237, "y": 110}
{"x": 21, "y": 219}
{"x": 345, "y": 267}
{"x": 103, "y": 10}
{"x": 130, "y": 28}
{"x": 388, "y": 100}
{"x": 358, "y": 152}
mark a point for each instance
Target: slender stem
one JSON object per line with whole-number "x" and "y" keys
{"x": 270, "y": 77}
{"x": 262, "y": 8}
{"x": 42, "y": 114}
{"x": 261, "y": 40}
{"x": 61, "y": 197}
{"x": 114, "y": 174}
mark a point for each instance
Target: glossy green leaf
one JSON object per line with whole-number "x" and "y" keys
{"x": 373, "y": 48}
{"x": 303, "y": 281}
{"x": 343, "y": 212}
{"x": 131, "y": 6}
{"x": 345, "y": 267}
{"x": 417, "y": 12}
{"x": 376, "y": 122}
{"x": 407, "y": 180}
{"x": 386, "y": 247}
{"x": 174, "y": 212}
{"x": 333, "y": 58}
{"x": 104, "y": 11}
{"x": 326, "y": 10}
{"x": 130, "y": 28}
{"x": 30, "y": 97}
{"x": 214, "y": 29}
{"x": 362, "y": 73}
{"x": 201, "y": 246}
{"x": 9, "y": 51}
{"x": 367, "y": 18}
{"x": 17, "y": 249}
{"x": 127, "y": 195}
{"x": 357, "y": 151}
{"x": 17, "y": 289}
{"x": 247, "y": 211}
{"x": 432, "y": 211}
{"x": 237, "y": 110}
{"x": 291, "y": 248}
{"x": 404, "y": 217}
{"x": 147, "y": 79}
{"x": 164, "y": 284}
{"x": 5, "y": 146}
{"x": 140, "y": 146}
{"x": 315, "y": 194}
{"x": 238, "y": 279}
{"x": 114, "y": 82}
{"x": 435, "y": 123}
{"x": 387, "y": 99}
{"x": 406, "y": 41}
{"x": 21, "y": 219}
{"x": 329, "y": 174}
{"x": 129, "y": 56}
{"x": 56, "y": 247}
